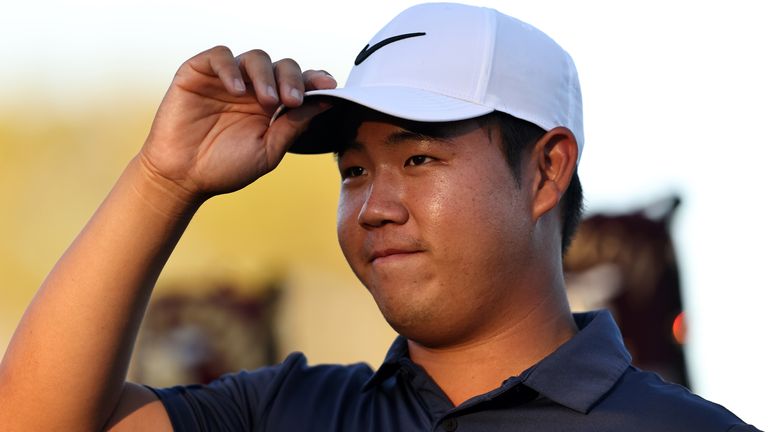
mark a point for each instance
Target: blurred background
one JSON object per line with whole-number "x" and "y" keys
{"x": 674, "y": 96}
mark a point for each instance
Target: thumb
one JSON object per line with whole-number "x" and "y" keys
{"x": 286, "y": 128}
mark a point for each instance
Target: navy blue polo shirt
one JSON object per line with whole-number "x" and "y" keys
{"x": 587, "y": 384}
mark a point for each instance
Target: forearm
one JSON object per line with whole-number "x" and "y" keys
{"x": 65, "y": 366}
{"x": 69, "y": 355}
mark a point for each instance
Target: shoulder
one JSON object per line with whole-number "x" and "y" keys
{"x": 294, "y": 374}
{"x": 293, "y": 381}
{"x": 245, "y": 398}
{"x": 660, "y": 405}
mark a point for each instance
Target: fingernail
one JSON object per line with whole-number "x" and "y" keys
{"x": 271, "y": 92}
{"x": 239, "y": 85}
{"x": 296, "y": 94}
{"x": 326, "y": 73}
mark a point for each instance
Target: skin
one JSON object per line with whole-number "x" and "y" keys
{"x": 212, "y": 135}
{"x": 477, "y": 313}
{"x": 406, "y": 206}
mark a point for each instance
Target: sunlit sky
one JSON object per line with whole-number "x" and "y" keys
{"x": 674, "y": 94}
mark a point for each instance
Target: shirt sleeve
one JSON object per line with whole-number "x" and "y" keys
{"x": 234, "y": 402}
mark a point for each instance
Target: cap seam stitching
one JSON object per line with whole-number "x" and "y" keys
{"x": 481, "y": 95}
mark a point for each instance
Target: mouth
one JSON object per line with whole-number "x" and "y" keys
{"x": 391, "y": 255}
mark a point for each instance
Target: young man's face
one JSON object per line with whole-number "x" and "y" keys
{"x": 437, "y": 229}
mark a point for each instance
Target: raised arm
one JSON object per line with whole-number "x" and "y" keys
{"x": 65, "y": 366}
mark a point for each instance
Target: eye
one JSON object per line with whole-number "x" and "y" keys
{"x": 350, "y": 172}
{"x": 418, "y": 160}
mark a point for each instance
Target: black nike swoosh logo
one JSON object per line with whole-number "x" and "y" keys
{"x": 367, "y": 51}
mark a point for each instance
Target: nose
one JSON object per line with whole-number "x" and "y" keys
{"x": 383, "y": 205}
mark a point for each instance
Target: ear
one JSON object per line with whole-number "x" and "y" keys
{"x": 554, "y": 160}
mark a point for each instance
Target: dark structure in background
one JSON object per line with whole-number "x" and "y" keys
{"x": 627, "y": 263}
{"x": 191, "y": 339}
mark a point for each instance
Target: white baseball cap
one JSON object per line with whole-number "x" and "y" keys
{"x": 439, "y": 62}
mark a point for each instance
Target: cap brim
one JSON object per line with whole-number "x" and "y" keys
{"x": 401, "y": 102}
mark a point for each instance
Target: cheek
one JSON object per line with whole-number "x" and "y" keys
{"x": 433, "y": 203}
{"x": 346, "y": 222}
{"x": 480, "y": 217}
{"x": 461, "y": 202}
{"x": 446, "y": 214}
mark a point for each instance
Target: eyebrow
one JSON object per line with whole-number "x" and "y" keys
{"x": 394, "y": 139}
{"x": 408, "y": 135}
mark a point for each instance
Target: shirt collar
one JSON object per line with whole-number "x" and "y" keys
{"x": 397, "y": 352}
{"x": 584, "y": 369}
{"x": 576, "y": 375}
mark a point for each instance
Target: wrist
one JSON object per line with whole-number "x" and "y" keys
{"x": 165, "y": 196}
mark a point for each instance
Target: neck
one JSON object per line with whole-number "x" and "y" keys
{"x": 478, "y": 366}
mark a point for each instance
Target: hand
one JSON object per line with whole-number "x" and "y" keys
{"x": 211, "y": 134}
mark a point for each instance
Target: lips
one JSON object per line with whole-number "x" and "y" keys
{"x": 380, "y": 248}
{"x": 390, "y": 254}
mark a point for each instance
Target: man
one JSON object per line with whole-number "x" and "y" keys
{"x": 457, "y": 136}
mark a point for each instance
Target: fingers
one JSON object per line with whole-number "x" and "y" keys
{"x": 281, "y": 81}
{"x": 220, "y": 62}
{"x": 290, "y": 81}
{"x": 293, "y": 123}
{"x": 318, "y": 80}
{"x": 257, "y": 66}
{"x": 271, "y": 83}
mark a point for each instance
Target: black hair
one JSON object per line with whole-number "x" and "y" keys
{"x": 519, "y": 137}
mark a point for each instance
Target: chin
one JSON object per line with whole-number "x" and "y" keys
{"x": 415, "y": 308}
{"x": 424, "y": 325}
